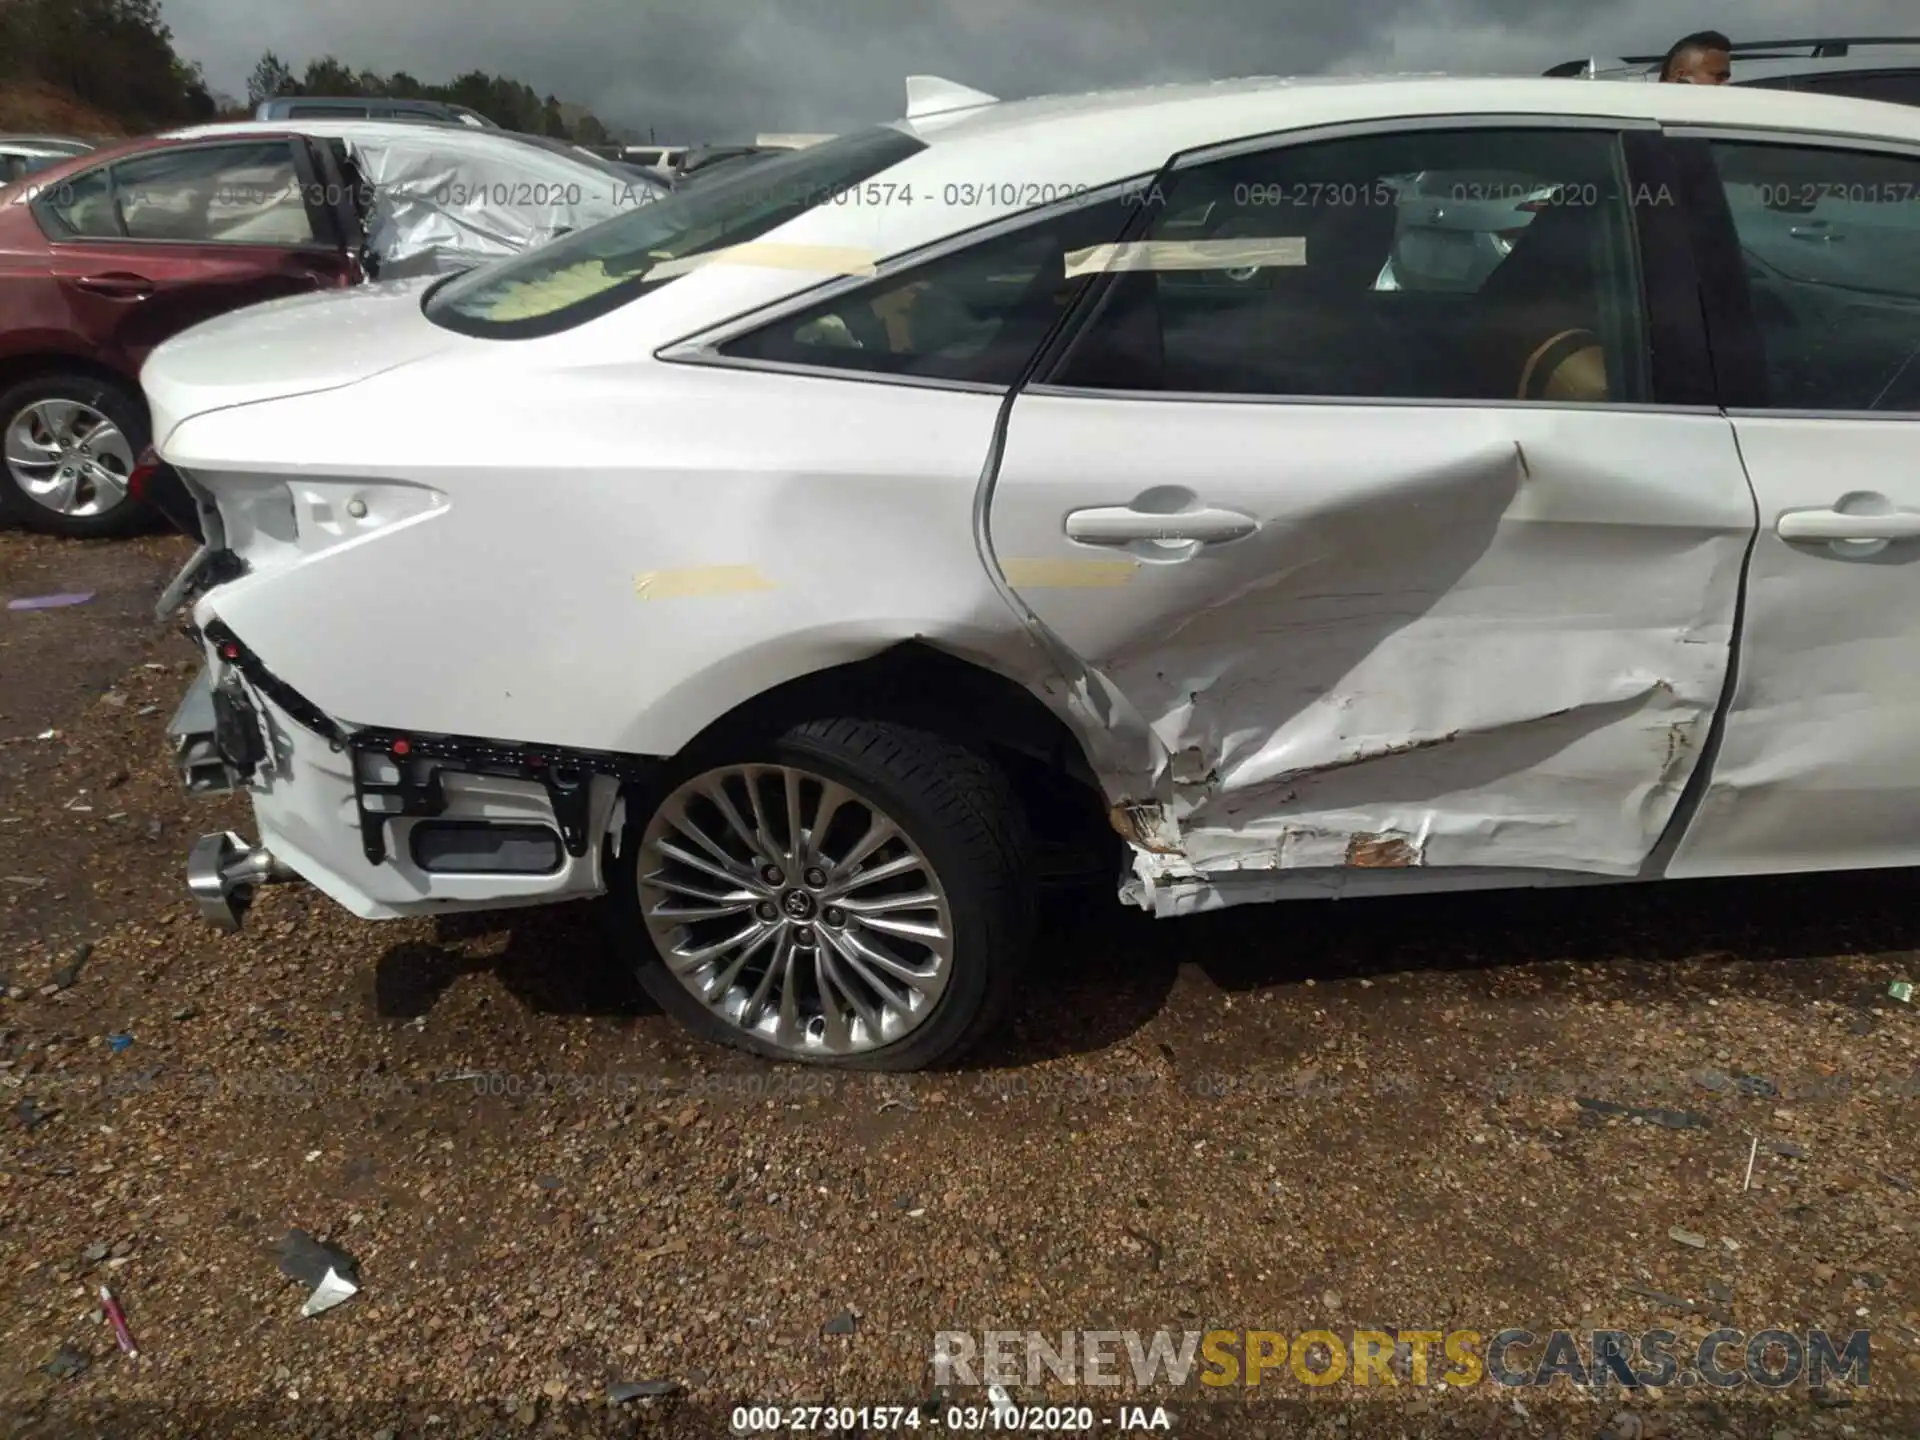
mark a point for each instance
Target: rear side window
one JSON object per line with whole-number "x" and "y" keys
{"x": 247, "y": 194}
{"x": 1476, "y": 264}
{"x": 1901, "y": 87}
{"x": 1831, "y": 243}
{"x": 976, "y": 315}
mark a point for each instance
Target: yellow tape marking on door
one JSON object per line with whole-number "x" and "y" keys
{"x": 700, "y": 582}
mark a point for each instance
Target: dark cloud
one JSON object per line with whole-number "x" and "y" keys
{"x": 723, "y": 69}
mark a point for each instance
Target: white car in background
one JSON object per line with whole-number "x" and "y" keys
{"x": 447, "y": 196}
{"x": 991, "y": 521}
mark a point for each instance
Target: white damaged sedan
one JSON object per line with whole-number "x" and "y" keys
{"x": 804, "y": 559}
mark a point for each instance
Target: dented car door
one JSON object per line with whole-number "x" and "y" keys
{"x": 1381, "y": 578}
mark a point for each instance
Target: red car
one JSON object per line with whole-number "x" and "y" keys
{"x": 104, "y": 256}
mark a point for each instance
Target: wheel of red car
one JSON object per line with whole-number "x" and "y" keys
{"x": 854, "y": 893}
{"x": 67, "y": 448}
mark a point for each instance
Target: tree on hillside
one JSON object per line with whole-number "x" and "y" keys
{"x": 270, "y": 78}
{"x": 327, "y": 76}
{"x": 116, "y": 56}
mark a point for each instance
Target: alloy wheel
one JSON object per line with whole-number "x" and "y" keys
{"x": 795, "y": 910}
{"x": 69, "y": 457}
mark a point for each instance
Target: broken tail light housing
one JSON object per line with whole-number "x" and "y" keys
{"x": 140, "y": 481}
{"x": 152, "y": 483}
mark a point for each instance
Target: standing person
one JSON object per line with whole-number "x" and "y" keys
{"x": 1702, "y": 58}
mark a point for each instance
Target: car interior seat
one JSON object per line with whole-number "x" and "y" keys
{"x": 1540, "y": 312}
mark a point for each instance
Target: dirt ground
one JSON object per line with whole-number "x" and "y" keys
{"x": 1453, "y": 1113}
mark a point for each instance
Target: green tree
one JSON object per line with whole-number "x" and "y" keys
{"x": 270, "y": 79}
{"x": 327, "y": 76}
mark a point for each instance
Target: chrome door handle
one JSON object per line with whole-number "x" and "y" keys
{"x": 1816, "y": 232}
{"x": 1124, "y": 525}
{"x": 117, "y": 285}
{"x": 1829, "y": 525}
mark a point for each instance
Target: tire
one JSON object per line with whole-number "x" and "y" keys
{"x": 953, "y": 809}
{"x": 118, "y": 404}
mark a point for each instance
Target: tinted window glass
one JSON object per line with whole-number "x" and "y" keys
{"x": 977, "y": 314}
{"x": 597, "y": 269}
{"x": 1467, "y": 264}
{"x": 1831, "y": 241}
{"x": 81, "y": 206}
{"x": 1899, "y": 87}
{"x": 231, "y": 194}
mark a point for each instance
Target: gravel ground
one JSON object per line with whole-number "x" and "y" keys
{"x": 1365, "y": 1115}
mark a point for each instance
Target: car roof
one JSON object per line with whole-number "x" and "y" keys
{"x": 1137, "y": 129}
{"x": 997, "y": 160}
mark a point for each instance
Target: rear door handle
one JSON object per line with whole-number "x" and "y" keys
{"x": 117, "y": 285}
{"x": 1829, "y": 525}
{"x": 1816, "y": 231}
{"x": 1124, "y": 525}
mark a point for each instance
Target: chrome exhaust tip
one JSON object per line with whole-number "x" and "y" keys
{"x": 222, "y": 871}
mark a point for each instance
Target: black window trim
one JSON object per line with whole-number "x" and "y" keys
{"x": 306, "y": 169}
{"x": 1732, "y": 328}
{"x": 1620, "y": 127}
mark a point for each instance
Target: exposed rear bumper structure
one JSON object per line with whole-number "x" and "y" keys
{"x": 386, "y": 824}
{"x": 222, "y": 873}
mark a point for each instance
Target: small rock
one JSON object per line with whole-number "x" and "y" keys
{"x": 554, "y": 1389}
{"x": 155, "y": 829}
{"x": 548, "y": 1182}
{"x": 842, "y": 1324}
{"x": 1823, "y": 1273}
{"x": 116, "y": 780}
{"x": 549, "y": 1312}
{"x": 69, "y": 973}
{"x": 526, "y": 1414}
{"x": 905, "y": 1202}
{"x": 185, "y": 1012}
{"x": 1871, "y": 1279}
{"x": 125, "y": 1247}
{"x": 1331, "y": 1300}
{"x": 66, "y": 1364}
{"x": 31, "y": 1114}
{"x": 620, "y": 1394}
{"x": 1787, "y": 1148}
{"x": 282, "y": 1375}
{"x": 97, "y": 1251}
{"x": 1623, "y": 1426}
{"x": 1721, "y": 1291}
{"x": 1861, "y": 1025}
{"x": 1687, "y": 1237}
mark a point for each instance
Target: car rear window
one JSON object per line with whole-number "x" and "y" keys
{"x": 599, "y": 269}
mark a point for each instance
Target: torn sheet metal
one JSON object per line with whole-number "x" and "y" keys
{"x": 438, "y": 206}
{"x": 1430, "y": 656}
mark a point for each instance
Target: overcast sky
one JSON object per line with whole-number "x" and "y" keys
{"x": 715, "y": 70}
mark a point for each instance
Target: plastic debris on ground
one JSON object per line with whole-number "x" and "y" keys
{"x": 1901, "y": 990}
{"x": 118, "y": 1319}
{"x": 117, "y": 1043}
{"x": 330, "y": 1273}
{"x": 620, "y": 1394}
{"x": 50, "y": 602}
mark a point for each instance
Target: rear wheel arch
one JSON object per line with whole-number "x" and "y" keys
{"x": 918, "y": 684}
